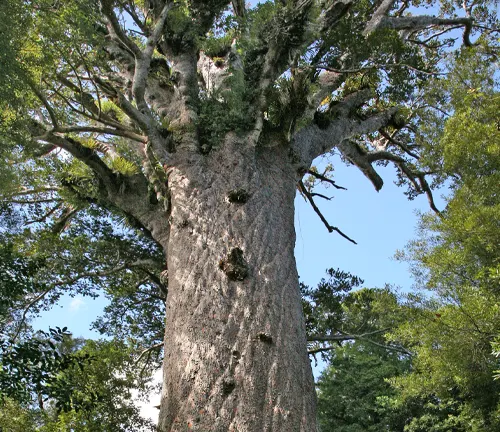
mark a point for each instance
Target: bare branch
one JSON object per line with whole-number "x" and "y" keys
{"x": 45, "y": 102}
{"x": 325, "y": 179}
{"x": 329, "y": 227}
{"x": 421, "y": 186}
{"x": 343, "y": 336}
{"x": 320, "y": 350}
{"x": 363, "y": 337}
{"x": 313, "y": 194}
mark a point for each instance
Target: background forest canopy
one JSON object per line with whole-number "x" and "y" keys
{"x": 70, "y": 127}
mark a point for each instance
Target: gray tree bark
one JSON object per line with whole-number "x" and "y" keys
{"x": 235, "y": 342}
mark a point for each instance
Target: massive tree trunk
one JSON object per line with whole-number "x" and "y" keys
{"x": 235, "y": 344}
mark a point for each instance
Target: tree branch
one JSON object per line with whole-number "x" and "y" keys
{"x": 147, "y": 350}
{"x": 325, "y": 179}
{"x": 345, "y": 337}
{"x": 115, "y": 29}
{"x": 143, "y": 60}
{"x": 378, "y": 16}
{"x": 329, "y": 227}
{"x": 422, "y": 22}
{"x": 102, "y": 130}
{"x": 339, "y": 126}
{"x": 45, "y": 102}
{"x": 239, "y": 8}
{"x": 85, "y": 155}
{"x": 421, "y": 186}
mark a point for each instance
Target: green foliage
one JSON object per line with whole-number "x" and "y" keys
{"x": 323, "y": 304}
{"x": 456, "y": 258}
{"x": 353, "y": 392}
{"x": 15, "y": 418}
{"x": 85, "y": 396}
{"x": 34, "y": 367}
{"x": 224, "y": 111}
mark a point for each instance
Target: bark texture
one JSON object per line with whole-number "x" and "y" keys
{"x": 235, "y": 349}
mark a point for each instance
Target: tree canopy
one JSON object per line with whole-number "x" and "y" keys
{"x": 123, "y": 123}
{"x": 449, "y": 327}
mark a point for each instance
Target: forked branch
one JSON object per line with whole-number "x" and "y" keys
{"x": 329, "y": 227}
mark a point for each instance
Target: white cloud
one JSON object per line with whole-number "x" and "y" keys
{"x": 76, "y": 304}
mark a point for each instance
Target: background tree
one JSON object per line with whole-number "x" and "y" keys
{"x": 195, "y": 122}
{"x": 449, "y": 326}
{"x": 456, "y": 256}
{"x": 95, "y": 394}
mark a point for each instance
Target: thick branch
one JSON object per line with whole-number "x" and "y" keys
{"x": 422, "y": 22}
{"x": 143, "y": 60}
{"x": 102, "y": 130}
{"x": 378, "y": 16}
{"x": 115, "y": 29}
{"x": 239, "y": 8}
{"x": 87, "y": 156}
{"x": 313, "y": 141}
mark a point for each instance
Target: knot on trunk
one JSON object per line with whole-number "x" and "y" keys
{"x": 228, "y": 385}
{"x": 234, "y": 265}
{"x": 239, "y": 196}
{"x": 265, "y": 337}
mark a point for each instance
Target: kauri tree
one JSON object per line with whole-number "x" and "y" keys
{"x": 146, "y": 142}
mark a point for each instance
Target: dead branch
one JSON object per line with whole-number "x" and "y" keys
{"x": 329, "y": 227}
{"x": 325, "y": 179}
